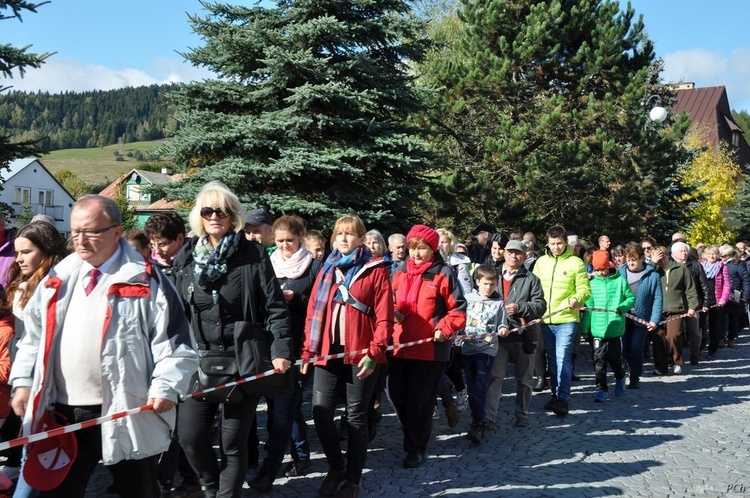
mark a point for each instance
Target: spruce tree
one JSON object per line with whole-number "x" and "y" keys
{"x": 544, "y": 112}
{"x": 19, "y": 60}
{"x": 310, "y": 113}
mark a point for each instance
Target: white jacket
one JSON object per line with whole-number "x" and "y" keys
{"x": 148, "y": 351}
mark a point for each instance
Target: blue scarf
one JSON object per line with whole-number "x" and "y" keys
{"x": 711, "y": 269}
{"x": 349, "y": 265}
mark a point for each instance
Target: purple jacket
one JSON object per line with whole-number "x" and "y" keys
{"x": 7, "y": 255}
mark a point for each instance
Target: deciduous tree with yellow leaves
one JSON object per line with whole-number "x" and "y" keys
{"x": 715, "y": 176}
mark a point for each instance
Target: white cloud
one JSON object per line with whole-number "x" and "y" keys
{"x": 706, "y": 68}
{"x": 59, "y": 75}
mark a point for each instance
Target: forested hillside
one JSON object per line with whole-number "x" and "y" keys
{"x": 89, "y": 119}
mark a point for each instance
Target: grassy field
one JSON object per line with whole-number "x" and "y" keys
{"x": 97, "y": 166}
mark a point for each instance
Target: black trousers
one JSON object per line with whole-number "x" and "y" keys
{"x": 328, "y": 382}
{"x": 412, "y": 388}
{"x": 608, "y": 351}
{"x": 89, "y": 454}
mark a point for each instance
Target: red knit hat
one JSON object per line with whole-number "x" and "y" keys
{"x": 600, "y": 260}
{"x": 428, "y": 234}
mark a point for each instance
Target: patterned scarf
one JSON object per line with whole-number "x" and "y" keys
{"x": 408, "y": 294}
{"x": 712, "y": 269}
{"x": 210, "y": 263}
{"x": 350, "y": 265}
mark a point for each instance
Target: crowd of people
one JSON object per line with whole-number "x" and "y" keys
{"x": 114, "y": 320}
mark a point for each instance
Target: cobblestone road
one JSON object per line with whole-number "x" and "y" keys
{"x": 678, "y": 436}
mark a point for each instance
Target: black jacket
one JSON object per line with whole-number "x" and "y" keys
{"x": 249, "y": 273}
{"x": 302, "y": 287}
{"x": 706, "y": 292}
{"x": 526, "y": 291}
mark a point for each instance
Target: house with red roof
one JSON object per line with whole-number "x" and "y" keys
{"x": 134, "y": 185}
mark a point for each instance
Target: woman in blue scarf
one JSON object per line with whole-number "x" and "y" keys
{"x": 350, "y": 310}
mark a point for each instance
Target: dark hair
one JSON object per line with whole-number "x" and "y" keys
{"x": 52, "y": 245}
{"x": 135, "y": 234}
{"x": 633, "y": 251}
{"x": 167, "y": 224}
{"x": 486, "y": 271}
{"x": 292, "y": 223}
{"x": 500, "y": 238}
{"x": 556, "y": 232}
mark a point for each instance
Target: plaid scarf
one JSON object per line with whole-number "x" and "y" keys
{"x": 210, "y": 263}
{"x": 350, "y": 264}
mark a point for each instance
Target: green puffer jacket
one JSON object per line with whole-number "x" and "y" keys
{"x": 611, "y": 293}
{"x": 563, "y": 277}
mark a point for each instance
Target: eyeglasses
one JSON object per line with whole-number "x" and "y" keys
{"x": 207, "y": 213}
{"x": 90, "y": 234}
{"x": 647, "y": 248}
{"x": 162, "y": 244}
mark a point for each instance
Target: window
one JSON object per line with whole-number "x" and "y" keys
{"x": 22, "y": 195}
{"x": 736, "y": 139}
{"x": 46, "y": 197}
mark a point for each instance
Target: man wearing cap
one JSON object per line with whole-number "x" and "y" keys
{"x": 524, "y": 302}
{"x": 479, "y": 250}
{"x": 566, "y": 287}
{"x": 259, "y": 227}
{"x": 104, "y": 333}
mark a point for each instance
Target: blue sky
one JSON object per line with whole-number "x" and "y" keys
{"x": 105, "y": 44}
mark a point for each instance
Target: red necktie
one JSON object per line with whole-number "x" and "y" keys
{"x": 94, "y": 274}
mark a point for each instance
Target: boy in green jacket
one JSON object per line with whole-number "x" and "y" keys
{"x": 610, "y": 291}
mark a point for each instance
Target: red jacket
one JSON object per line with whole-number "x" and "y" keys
{"x": 7, "y": 331}
{"x": 371, "y": 332}
{"x": 440, "y": 306}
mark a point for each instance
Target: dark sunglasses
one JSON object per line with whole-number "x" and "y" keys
{"x": 207, "y": 212}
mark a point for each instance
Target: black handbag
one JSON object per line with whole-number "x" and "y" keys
{"x": 216, "y": 368}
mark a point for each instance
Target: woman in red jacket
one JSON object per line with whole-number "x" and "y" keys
{"x": 429, "y": 305}
{"x": 350, "y": 309}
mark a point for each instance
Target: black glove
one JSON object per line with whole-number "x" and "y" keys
{"x": 528, "y": 345}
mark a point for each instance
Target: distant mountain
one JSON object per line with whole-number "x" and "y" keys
{"x": 73, "y": 120}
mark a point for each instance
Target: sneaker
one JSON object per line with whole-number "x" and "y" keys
{"x": 620, "y": 387}
{"x": 601, "y": 396}
{"x": 522, "y": 422}
{"x": 348, "y": 490}
{"x": 331, "y": 483}
{"x": 561, "y": 408}
{"x": 462, "y": 400}
{"x": 550, "y": 406}
{"x": 677, "y": 370}
{"x": 452, "y": 412}
{"x": 475, "y": 434}
{"x": 298, "y": 468}
{"x": 435, "y": 413}
{"x": 657, "y": 372}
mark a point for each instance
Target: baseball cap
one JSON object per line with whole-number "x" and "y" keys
{"x": 515, "y": 245}
{"x": 257, "y": 217}
{"x": 48, "y": 461}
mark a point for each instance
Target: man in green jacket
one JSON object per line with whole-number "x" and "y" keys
{"x": 566, "y": 287}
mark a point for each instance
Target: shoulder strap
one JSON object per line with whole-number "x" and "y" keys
{"x": 348, "y": 298}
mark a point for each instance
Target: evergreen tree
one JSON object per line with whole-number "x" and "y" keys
{"x": 16, "y": 59}
{"x": 543, "y": 113}
{"x": 310, "y": 113}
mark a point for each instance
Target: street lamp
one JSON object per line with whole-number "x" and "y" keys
{"x": 657, "y": 113}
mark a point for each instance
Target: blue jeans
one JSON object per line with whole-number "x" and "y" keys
{"x": 477, "y": 368}
{"x": 558, "y": 340}
{"x": 300, "y": 448}
{"x": 23, "y": 490}
{"x": 632, "y": 347}
{"x": 281, "y": 411}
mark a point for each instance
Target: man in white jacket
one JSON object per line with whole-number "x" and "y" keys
{"x": 105, "y": 332}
